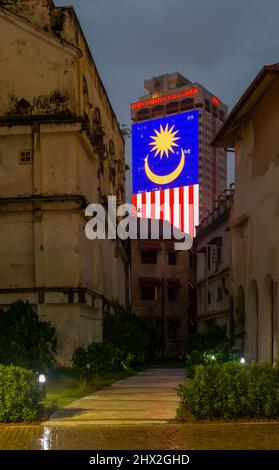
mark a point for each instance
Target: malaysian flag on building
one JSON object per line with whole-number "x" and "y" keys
{"x": 180, "y": 206}
{"x": 166, "y": 170}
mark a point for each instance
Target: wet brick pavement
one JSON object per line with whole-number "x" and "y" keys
{"x": 263, "y": 436}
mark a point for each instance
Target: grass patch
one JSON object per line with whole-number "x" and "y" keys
{"x": 66, "y": 385}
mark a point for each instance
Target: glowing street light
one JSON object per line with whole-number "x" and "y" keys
{"x": 42, "y": 382}
{"x": 42, "y": 379}
{"x": 242, "y": 360}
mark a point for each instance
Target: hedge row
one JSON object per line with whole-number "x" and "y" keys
{"x": 20, "y": 395}
{"x": 232, "y": 391}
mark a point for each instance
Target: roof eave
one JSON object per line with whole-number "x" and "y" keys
{"x": 226, "y": 135}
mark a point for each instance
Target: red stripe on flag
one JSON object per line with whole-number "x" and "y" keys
{"x": 171, "y": 205}
{"x": 181, "y": 207}
{"x": 135, "y": 205}
{"x": 162, "y": 203}
{"x": 152, "y": 202}
{"x": 191, "y": 211}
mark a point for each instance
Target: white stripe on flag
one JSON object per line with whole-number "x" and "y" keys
{"x": 148, "y": 206}
{"x": 186, "y": 209}
{"x": 139, "y": 205}
{"x": 176, "y": 209}
{"x": 196, "y": 207}
{"x": 167, "y": 205}
{"x": 157, "y": 204}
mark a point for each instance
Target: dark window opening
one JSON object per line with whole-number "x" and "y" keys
{"x": 220, "y": 293}
{"x": 209, "y": 258}
{"x": 157, "y": 111}
{"x": 149, "y": 292}
{"x": 173, "y": 331}
{"x": 111, "y": 148}
{"x": 25, "y": 156}
{"x": 172, "y": 108}
{"x": 143, "y": 114}
{"x": 148, "y": 257}
{"x": 188, "y": 103}
{"x": 172, "y": 293}
{"x": 207, "y": 105}
{"x": 172, "y": 255}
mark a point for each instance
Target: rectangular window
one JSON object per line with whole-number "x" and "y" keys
{"x": 172, "y": 293}
{"x": 209, "y": 258}
{"x": 172, "y": 255}
{"x": 25, "y": 156}
{"x": 148, "y": 257}
{"x": 149, "y": 292}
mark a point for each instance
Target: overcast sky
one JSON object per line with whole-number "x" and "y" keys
{"x": 221, "y": 44}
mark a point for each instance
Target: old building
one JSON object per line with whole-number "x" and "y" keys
{"x": 213, "y": 266}
{"x": 162, "y": 286}
{"x": 60, "y": 149}
{"x": 252, "y": 130}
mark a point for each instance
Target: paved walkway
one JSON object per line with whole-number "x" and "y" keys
{"x": 146, "y": 398}
{"x": 235, "y": 436}
{"x": 132, "y": 414}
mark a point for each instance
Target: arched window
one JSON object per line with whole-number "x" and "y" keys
{"x": 111, "y": 148}
{"x": 252, "y": 322}
{"x": 85, "y": 86}
{"x": 85, "y": 96}
{"x": 97, "y": 124}
{"x": 97, "y": 117}
{"x": 266, "y": 321}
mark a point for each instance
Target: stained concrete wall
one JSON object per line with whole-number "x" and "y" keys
{"x": 50, "y": 92}
{"x": 255, "y": 224}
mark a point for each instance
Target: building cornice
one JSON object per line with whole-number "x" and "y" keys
{"x": 40, "y": 198}
{"x": 23, "y": 23}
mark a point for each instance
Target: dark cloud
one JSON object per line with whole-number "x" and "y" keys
{"x": 218, "y": 43}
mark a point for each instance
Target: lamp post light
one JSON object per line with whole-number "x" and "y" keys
{"x": 42, "y": 382}
{"x": 242, "y": 360}
{"x": 88, "y": 369}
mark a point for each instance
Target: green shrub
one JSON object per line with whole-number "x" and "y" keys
{"x": 214, "y": 337}
{"x": 232, "y": 391}
{"x": 133, "y": 335}
{"x": 218, "y": 355}
{"x": 212, "y": 346}
{"x": 19, "y": 395}
{"x": 130, "y": 341}
{"x": 25, "y": 341}
{"x": 104, "y": 357}
{"x": 80, "y": 358}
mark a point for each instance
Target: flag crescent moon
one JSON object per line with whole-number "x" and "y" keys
{"x": 165, "y": 179}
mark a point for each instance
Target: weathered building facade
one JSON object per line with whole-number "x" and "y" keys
{"x": 162, "y": 286}
{"x": 60, "y": 149}
{"x": 252, "y": 130}
{"x": 213, "y": 266}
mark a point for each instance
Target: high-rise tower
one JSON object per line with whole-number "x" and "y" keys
{"x": 171, "y": 95}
